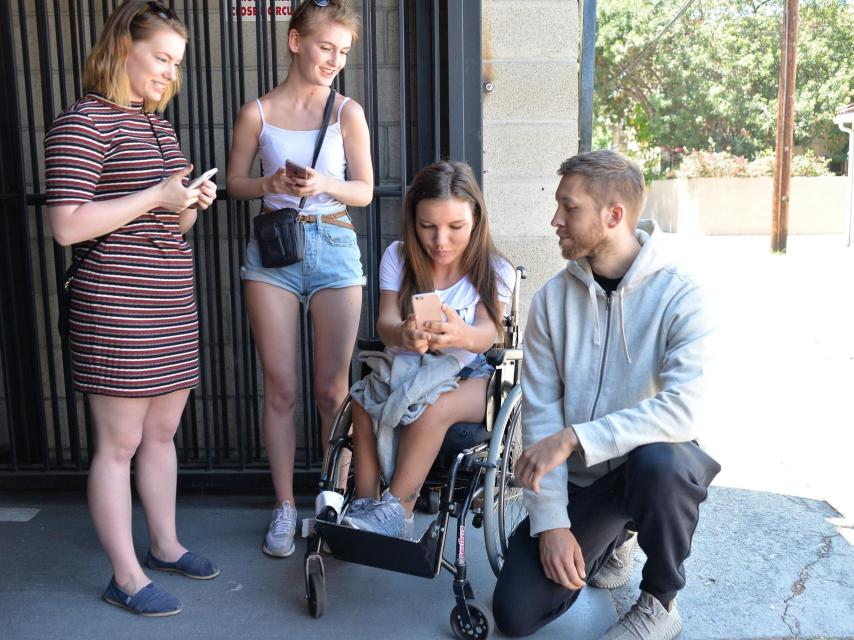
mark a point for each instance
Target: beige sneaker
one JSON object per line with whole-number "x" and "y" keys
{"x": 647, "y": 620}
{"x": 618, "y": 568}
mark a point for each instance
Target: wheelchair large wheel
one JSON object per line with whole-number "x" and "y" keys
{"x": 503, "y": 507}
{"x": 481, "y": 625}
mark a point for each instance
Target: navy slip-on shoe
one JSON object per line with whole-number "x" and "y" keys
{"x": 190, "y": 564}
{"x": 151, "y": 600}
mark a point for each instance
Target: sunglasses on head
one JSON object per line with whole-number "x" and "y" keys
{"x": 321, "y": 3}
{"x": 162, "y": 11}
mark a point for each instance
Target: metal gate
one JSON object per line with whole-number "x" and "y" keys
{"x": 417, "y": 72}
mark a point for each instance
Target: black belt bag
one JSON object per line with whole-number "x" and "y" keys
{"x": 280, "y": 238}
{"x": 279, "y": 233}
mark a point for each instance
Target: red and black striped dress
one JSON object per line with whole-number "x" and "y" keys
{"x": 134, "y": 329}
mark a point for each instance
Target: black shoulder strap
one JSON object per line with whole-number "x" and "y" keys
{"x": 327, "y": 113}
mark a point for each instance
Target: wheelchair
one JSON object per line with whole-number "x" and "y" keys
{"x": 472, "y": 474}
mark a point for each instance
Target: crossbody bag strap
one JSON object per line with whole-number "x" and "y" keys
{"x": 327, "y": 113}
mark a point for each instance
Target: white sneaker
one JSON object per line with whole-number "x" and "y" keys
{"x": 647, "y": 620}
{"x": 279, "y": 542}
{"x": 618, "y": 568}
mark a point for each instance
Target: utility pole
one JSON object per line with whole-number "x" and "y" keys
{"x": 785, "y": 127}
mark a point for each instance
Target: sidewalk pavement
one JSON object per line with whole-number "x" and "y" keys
{"x": 773, "y": 556}
{"x": 763, "y": 566}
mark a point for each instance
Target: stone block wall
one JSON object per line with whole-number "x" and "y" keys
{"x": 530, "y": 125}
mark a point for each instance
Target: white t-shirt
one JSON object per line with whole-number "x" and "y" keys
{"x": 461, "y": 296}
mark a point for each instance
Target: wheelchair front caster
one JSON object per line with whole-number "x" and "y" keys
{"x": 316, "y": 594}
{"x": 481, "y": 625}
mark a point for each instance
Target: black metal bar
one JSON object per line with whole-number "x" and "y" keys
{"x": 45, "y": 67}
{"x": 92, "y": 28}
{"x": 403, "y": 112}
{"x": 12, "y": 183}
{"x": 193, "y": 61}
{"x": 423, "y": 81}
{"x": 228, "y": 108}
{"x": 372, "y": 211}
{"x": 32, "y": 420}
{"x": 437, "y": 81}
{"x": 216, "y": 295}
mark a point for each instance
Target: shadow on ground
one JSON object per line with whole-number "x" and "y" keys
{"x": 763, "y": 566}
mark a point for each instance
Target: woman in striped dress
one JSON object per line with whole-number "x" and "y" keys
{"x": 115, "y": 189}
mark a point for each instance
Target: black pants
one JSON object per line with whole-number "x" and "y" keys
{"x": 657, "y": 491}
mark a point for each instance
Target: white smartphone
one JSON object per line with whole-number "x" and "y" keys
{"x": 427, "y": 307}
{"x": 205, "y": 176}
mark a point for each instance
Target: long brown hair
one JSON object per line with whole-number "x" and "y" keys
{"x": 106, "y": 65}
{"x": 443, "y": 180}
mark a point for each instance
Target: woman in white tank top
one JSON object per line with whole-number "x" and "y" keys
{"x": 283, "y": 125}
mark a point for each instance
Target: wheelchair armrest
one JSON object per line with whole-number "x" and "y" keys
{"x": 370, "y": 344}
{"x": 497, "y": 356}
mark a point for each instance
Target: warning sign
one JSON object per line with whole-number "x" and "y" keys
{"x": 249, "y": 9}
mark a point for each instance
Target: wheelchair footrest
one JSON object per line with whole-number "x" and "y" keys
{"x": 383, "y": 552}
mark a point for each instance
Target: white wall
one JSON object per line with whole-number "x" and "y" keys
{"x": 742, "y": 206}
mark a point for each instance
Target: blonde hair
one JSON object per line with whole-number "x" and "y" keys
{"x": 308, "y": 16}
{"x": 608, "y": 178}
{"x": 106, "y": 65}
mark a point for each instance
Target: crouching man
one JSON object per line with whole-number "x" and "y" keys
{"x": 614, "y": 374}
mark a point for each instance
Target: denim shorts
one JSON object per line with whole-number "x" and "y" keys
{"x": 477, "y": 368}
{"x": 332, "y": 261}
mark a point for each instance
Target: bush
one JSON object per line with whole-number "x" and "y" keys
{"x": 711, "y": 164}
{"x": 708, "y": 164}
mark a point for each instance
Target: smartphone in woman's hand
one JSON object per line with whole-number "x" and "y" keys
{"x": 295, "y": 170}
{"x": 207, "y": 175}
{"x": 427, "y": 307}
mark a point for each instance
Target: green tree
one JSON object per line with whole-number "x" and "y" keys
{"x": 710, "y": 82}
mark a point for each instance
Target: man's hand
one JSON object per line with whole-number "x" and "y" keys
{"x": 560, "y": 555}
{"x": 540, "y": 458}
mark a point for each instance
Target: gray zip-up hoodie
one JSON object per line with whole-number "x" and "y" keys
{"x": 624, "y": 370}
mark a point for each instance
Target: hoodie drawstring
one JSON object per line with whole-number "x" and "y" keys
{"x": 594, "y": 303}
{"x": 623, "y": 327}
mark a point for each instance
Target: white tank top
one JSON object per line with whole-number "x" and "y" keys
{"x": 277, "y": 145}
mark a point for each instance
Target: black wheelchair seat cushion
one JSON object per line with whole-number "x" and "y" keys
{"x": 463, "y": 435}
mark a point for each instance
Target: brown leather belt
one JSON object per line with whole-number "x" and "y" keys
{"x": 327, "y": 218}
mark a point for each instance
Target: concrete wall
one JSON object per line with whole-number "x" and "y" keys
{"x": 530, "y": 125}
{"x": 742, "y": 206}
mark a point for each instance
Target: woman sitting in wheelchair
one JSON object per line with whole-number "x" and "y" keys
{"x": 432, "y": 374}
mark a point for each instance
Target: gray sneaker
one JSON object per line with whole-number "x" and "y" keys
{"x": 647, "y": 620}
{"x": 279, "y": 542}
{"x": 385, "y": 516}
{"x": 357, "y": 506}
{"x": 618, "y": 568}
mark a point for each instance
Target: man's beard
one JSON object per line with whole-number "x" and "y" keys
{"x": 588, "y": 245}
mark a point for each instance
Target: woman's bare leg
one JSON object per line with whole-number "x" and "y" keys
{"x": 274, "y": 317}
{"x": 420, "y": 441}
{"x": 367, "y": 463}
{"x": 118, "y": 432}
{"x": 156, "y": 472}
